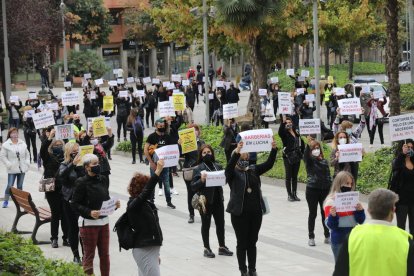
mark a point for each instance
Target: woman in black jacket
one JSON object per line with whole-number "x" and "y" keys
{"x": 246, "y": 204}
{"x": 293, "y": 148}
{"x": 68, "y": 173}
{"x": 214, "y": 201}
{"x": 143, "y": 216}
{"x": 135, "y": 126}
{"x": 123, "y": 107}
{"x": 30, "y": 132}
{"x": 51, "y": 152}
{"x": 317, "y": 187}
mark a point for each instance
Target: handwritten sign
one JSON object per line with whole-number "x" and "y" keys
{"x": 211, "y": 96}
{"x": 285, "y": 103}
{"x": 186, "y": 82}
{"x": 170, "y": 154}
{"x": 43, "y": 119}
{"x": 146, "y": 80}
{"x": 179, "y": 101}
{"x": 52, "y": 106}
{"x": 70, "y": 98}
{"x": 130, "y": 80}
{"x": 310, "y": 98}
{"x": 215, "y": 179}
{"x": 346, "y": 202}
{"x": 166, "y": 109}
{"x": 139, "y": 93}
{"x": 156, "y": 81}
{"x": 262, "y": 92}
{"x": 350, "y": 106}
{"x": 87, "y": 76}
{"x": 108, "y": 103}
{"x": 350, "y": 153}
{"x": 301, "y": 79}
{"x": 304, "y": 73}
{"x": 99, "y": 127}
{"x": 98, "y": 82}
{"x": 176, "y": 77}
{"x": 14, "y": 99}
{"x": 123, "y": 94}
{"x": 64, "y": 132}
{"x": 171, "y": 86}
{"x": 339, "y": 91}
{"x": 230, "y": 111}
{"x": 85, "y": 150}
{"x": 188, "y": 140}
{"x": 401, "y": 127}
{"x": 32, "y": 96}
{"x": 165, "y": 84}
{"x": 219, "y": 84}
{"x": 290, "y": 72}
{"x": 309, "y": 126}
{"x": 300, "y": 91}
{"x": 113, "y": 83}
{"x": 90, "y": 121}
{"x": 274, "y": 79}
{"x": 257, "y": 140}
{"x": 67, "y": 84}
{"x": 120, "y": 81}
{"x": 108, "y": 207}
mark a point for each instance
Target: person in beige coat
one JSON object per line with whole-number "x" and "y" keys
{"x": 15, "y": 156}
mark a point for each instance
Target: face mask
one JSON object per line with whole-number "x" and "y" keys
{"x": 345, "y": 189}
{"x": 243, "y": 164}
{"x": 289, "y": 126}
{"x": 342, "y": 141}
{"x": 349, "y": 131}
{"x": 161, "y": 129}
{"x": 58, "y": 151}
{"x": 96, "y": 169}
{"x": 410, "y": 153}
{"x": 316, "y": 152}
{"x": 94, "y": 142}
{"x": 208, "y": 158}
{"x": 77, "y": 121}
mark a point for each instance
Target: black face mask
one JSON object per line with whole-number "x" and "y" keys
{"x": 161, "y": 129}
{"x": 73, "y": 155}
{"x": 345, "y": 189}
{"x": 77, "y": 121}
{"x": 208, "y": 158}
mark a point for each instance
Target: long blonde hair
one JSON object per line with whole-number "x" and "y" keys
{"x": 69, "y": 148}
{"x": 341, "y": 178}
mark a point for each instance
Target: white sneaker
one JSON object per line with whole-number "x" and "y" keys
{"x": 160, "y": 193}
{"x": 174, "y": 192}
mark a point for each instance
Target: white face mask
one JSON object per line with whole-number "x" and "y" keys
{"x": 349, "y": 131}
{"x": 316, "y": 152}
{"x": 342, "y": 141}
{"x": 94, "y": 142}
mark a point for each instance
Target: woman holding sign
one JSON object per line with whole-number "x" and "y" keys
{"x": 376, "y": 118}
{"x": 342, "y": 138}
{"x": 246, "y": 204}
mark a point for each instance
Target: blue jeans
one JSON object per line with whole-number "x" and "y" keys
{"x": 10, "y": 181}
{"x": 165, "y": 178}
{"x": 335, "y": 249}
{"x": 14, "y": 123}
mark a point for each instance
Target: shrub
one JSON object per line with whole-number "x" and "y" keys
{"x": 407, "y": 96}
{"x": 81, "y": 62}
{"x": 124, "y": 146}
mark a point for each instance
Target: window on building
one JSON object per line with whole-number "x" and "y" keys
{"x": 182, "y": 60}
{"x": 116, "y": 16}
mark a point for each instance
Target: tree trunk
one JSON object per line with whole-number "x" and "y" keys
{"x": 136, "y": 60}
{"x": 360, "y": 49}
{"x": 326, "y": 60}
{"x": 391, "y": 17}
{"x": 351, "y": 61}
{"x": 307, "y": 54}
{"x": 296, "y": 56}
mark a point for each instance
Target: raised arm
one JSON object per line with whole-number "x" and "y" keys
{"x": 264, "y": 167}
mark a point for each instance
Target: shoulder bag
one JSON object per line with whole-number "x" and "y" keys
{"x": 46, "y": 185}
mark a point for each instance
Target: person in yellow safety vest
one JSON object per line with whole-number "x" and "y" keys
{"x": 328, "y": 92}
{"x": 377, "y": 247}
{"x": 77, "y": 126}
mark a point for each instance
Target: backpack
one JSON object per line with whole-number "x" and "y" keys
{"x": 125, "y": 232}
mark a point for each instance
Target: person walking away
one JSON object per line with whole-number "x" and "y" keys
{"x": 135, "y": 126}
{"x": 16, "y": 159}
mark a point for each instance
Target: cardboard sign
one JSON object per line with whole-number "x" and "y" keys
{"x": 123, "y": 94}
{"x": 32, "y": 96}
{"x": 176, "y": 77}
{"x": 43, "y": 119}
{"x": 350, "y": 153}
{"x": 186, "y": 82}
{"x": 230, "y": 111}
{"x": 300, "y": 91}
{"x": 120, "y": 81}
{"x": 378, "y": 95}
{"x": 166, "y": 109}
{"x": 108, "y": 207}
{"x": 85, "y": 150}
{"x": 262, "y": 92}
{"x": 67, "y": 84}
{"x": 215, "y": 179}
{"x": 401, "y": 127}
{"x": 274, "y": 79}
{"x": 108, "y": 103}
{"x": 219, "y": 84}
{"x": 256, "y": 140}
{"x": 165, "y": 84}
{"x": 113, "y": 83}
{"x": 290, "y": 72}
{"x": 285, "y": 103}
{"x": 64, "y": 132}
{"x": 29, "y": 113}
{"x": 14, "y": 99}
{"x": 350, "y": 106}
{"x": 179, "y": 101}
{"x": 99, "y": 127}
{"x": 130, "y": 80}
{"x": 156, "y": 81}
{"x": 140, "y": 93}
{"x": 70, "y": 98}
{"x": 339, "y": 91}
{"x": 310, "y": 98}
{"x": 170, "y": 154}
{"x": 309, "y": 126}
{"x": 98, "y": 82}
{"x": 188, "y": 140}
{"x": 87, "y": 76}
{"x": 346, "y": 202}
{"x": 304, "y": 73}
{"x": 146, "y": 80}
{"x": 52, "y": 106}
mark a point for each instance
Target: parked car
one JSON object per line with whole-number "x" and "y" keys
{"x": 404, "y": 66}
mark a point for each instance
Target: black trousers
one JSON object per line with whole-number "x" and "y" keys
{"x": 372, "y": 131}
{"x": 31, "y": 140}
{"x": 134, "y": 140}
{"x": 55, "y": 200}
{"x": 292, "y": 171}
{"x": 247, "y": 227}
{"x": 190, "y": 194}
{"x": 149, "y": 111}
{"x": 315, "y": 197}
{"x": 402, "y": 212}
{"x": 217, "y": 211}
{"x": 73, "y": 228}
{"x": 121, "y": 122}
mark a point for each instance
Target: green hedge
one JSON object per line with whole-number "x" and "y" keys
{"x": 407, "y": 96}
{"x": 19, "y": 256}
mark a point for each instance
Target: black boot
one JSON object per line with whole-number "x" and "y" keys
{"x": 55, "y": 243}
{"x": 291, "y": 197}
{"x": 191, "y": 219}
{"x": 244, "y": 273}
{"x": 252, "y": 273}
{"x": 295, "y": 196}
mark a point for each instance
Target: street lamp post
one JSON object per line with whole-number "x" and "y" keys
{"x": 205, "y": 48}
{"x": 65, "y": 55}
{"x": 411, "y": 32}
{"x": 316, "y": 60}
{"x": 7, "y": 78}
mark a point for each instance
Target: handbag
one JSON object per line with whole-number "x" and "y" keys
{"x": 294, "y": 156}
{"x": 46, "y": 185}
{"x": 188, "y": 173}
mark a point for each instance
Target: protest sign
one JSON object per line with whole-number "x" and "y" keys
{"x": 256, "y": 140}
{"x": 87, "y": 76}
{"x": 140, "y": 93}
{"x": 171, "y": 86}
{"x": 170, "y": 154}
{"x": 146, "y": 80}
{"x": 120, "y": 81}
{"x": 90, "y": 121}
{"x": 230, "y": 111}
{"x": 156, "y": 81}
{"x": 339, "y": 91}
{"x": 130, "y": 80}
{"x": 43, "y": 119}
{"x": 262, "y": 92}
{"x": 179, "y": 101}
{"x": 304, "y": 73}
{"x": 300, "y": 91}
{"x": 227, "y": 84}
{"x": 350, "y": 153}
{"x": 99, "y": 127}
{"x": 378, "y": 94}
{"x": 98, "y": 82}
{"x": 108, "y": 103}
{"x": 310, "y": 98}
{"x": 219, "y": 84}
{"x": 211, "y": 96}
{"x": 365, "y": 89}
{"x": 346, "y": 202}
{"x": 70, "y": 98}
{"x": 186, "y": 82}
{"x": 29, "y": 113}
{"x": 64, "y": 132}
{"x": 188, "y": 140}
{"x": 52, "y": 106}
{"x": 115, "y": 71}
{"x": 401, "y": 127}
{"x": 85, "y": 150}
{"x": 176, "y": 77}
{"x": 290, "y": 72}
{"x": 93, "y": 95}
{"x": 165, "y": 84}
{"x": 350, "y": 106}
{"x": 274, "y": 79}
{"x": 301, "y": 79}
{"x": 285, "y": 103}
{"x": 67, "y": 84}
{"x": 123, "y": 94}
{"x": 309, "y": 126}
{"x": 166, "y": 109}
{"x": 215, "y": 178}
{"x": 113, "y": 83}
{"x": 108, "y": 207}
{"x": 14, "y": 99}
{"x": 32, "y": 96}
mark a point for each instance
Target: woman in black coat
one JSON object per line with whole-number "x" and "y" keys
{"x": 30, "y": 132}
{"x": 246, "y": 204}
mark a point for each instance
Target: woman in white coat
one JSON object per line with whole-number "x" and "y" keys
{"x": 15, "y": 156}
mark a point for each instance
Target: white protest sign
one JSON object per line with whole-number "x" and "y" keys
{"x": 29, "y": 113}
{"x": 301, "y": 79}
{"x": 256, "y": 140}
{"x": 93, "y": 95}
{"x": 304, "y": 73}
{"x": 262, "y": 92}
{"x": 87, "y": 76}
{"x": 108, "y": 207}
{"x": 350, "y": 153}
{"x": 339, "y": 91}
{"x": 165, "y": 83}
{"x": 170, "y": 154}
{"x": 211, "y": 96}
{"x": 14, "y": 99}
{"x": 32, "y": 96}
{"x": 365, "y": 89}
{"x": 64, "y": 132}
{"x": 219, "y": 84}
{"x": 300, "y": 91}
{"x": 166, "y": 109}
{"x": 130, "y": 80}
{"x": 285, "y": 103}
{"x": 70, "y": 98}
{"x": 176, "y": 77}
{"x": 43, "y": 119}
{"x": 215, "y": 179}
{"x": 146, "y": 80}
{"x": 123, "y": 94}
{"x": 346, "y": 202}
{"x": 378, "y": 94}
{"x": 120, "y": 81}
{"x": 350, "y": 106}
{"x": 185, "y": 82}
{"x": 53, "y": 106}
{"x": 67, "y": 84}
{"x": 113, "y": 83}
{"x": 115, "y": 71}
{"x": 230, "y": 111}
{"x": 309, "y": 126}
{"x": 171, "y": 86}
{"x": 274, "y": 79}
{"x": 140, "y": 93}
{"x": 310, "y": 98}
{"x": 156, "y": 81}
{"x": 227, "y": 84}
{"x": 290, "y": 72}
{"x": 98, "y": 82}
{"x": 401, "y": 127}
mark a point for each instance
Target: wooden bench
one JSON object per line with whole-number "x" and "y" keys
{"x": 23, "y": 200}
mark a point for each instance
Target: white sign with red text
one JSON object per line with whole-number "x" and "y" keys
{"x": 346, "y": 202}
{"x": 256, "y": 140}
{"x": 350, "y": 106}
{"x": 401, "y": 127}
{"x": 285, "y": 103}
{"x": 350, "y": 153}
{"x": 170, "y": 154}
{"x": 309, "y": 126}
{"x": 215, "y": 179}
